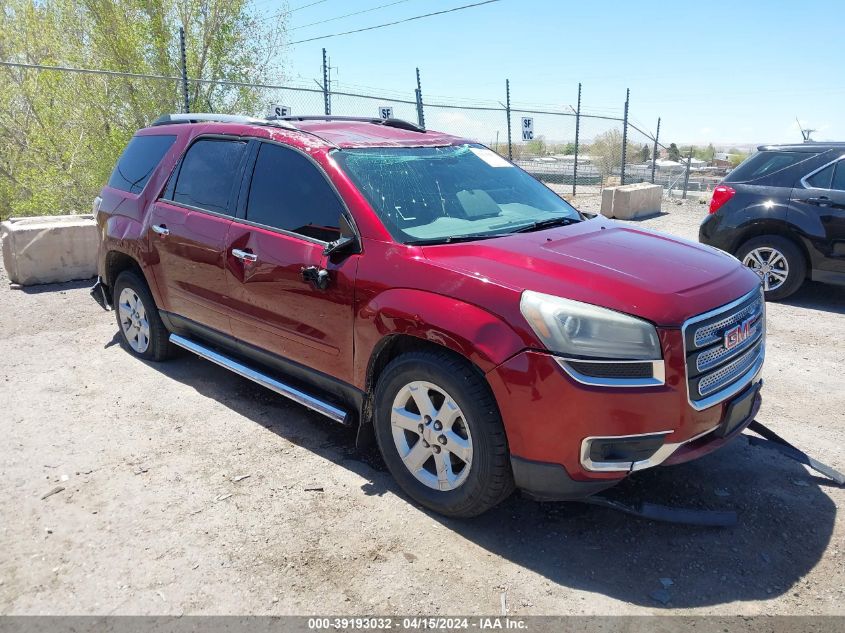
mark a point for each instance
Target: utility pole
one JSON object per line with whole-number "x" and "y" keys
{"x": 184, "y": 69}
{"x": 625, "y": 137}
{"x": 577, "y": 131}
{"x": 654, "y": 155}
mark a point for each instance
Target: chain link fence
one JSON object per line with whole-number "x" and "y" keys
{"x": 576, "y": 149}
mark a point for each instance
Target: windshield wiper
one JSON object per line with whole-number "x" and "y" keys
{"x": 547, "y": 224}
{"x": 453, "y": 239}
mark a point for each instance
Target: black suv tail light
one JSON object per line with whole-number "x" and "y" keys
{"x": 721, "y": 195}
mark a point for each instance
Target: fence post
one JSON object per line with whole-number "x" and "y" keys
{"x": 508, "y": 112}
{"x": 184, "y": 69}
{"x": 577, "y": 131}
{"x": 686, "y": 176}
{"x": 625, "y": 137}
{"x": 326, "y": 100}
{"x": 420, "y": 113}
{"x": 654, "y": 154}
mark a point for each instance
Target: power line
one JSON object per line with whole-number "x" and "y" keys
{"x": 289, "y": 11}
{"x": 349, "y": 15}
{"x": 381, "y": 26}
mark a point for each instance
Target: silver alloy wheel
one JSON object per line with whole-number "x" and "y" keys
{"x": 133, "y": 320}
{"x": 431, "y": 435}
{"x": 770, "y": 264}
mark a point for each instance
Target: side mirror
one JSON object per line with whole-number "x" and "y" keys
{"x": 346, "y": 243}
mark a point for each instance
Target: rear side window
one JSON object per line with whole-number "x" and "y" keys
{"x": 831, "y": 177}
{"x": 208, "y": 174}
{"x": 288, "y": 192}
{"x": 821, "y": 179}
{"x": 765, "y": 163}
{"x": 138, "y": 161}
{"x": 839, "y": 177}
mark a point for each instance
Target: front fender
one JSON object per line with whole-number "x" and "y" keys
{"x": 474, "y": 333}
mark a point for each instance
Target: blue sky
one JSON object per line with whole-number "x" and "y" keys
{"x": 727, "y": 72}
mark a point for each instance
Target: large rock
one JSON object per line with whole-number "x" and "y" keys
{"x": 49, "y": 249}
{"x": 631, "y": 201}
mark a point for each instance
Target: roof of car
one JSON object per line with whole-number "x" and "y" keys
{"x": 810, "y": 146}
{"x": 338, "y": 131}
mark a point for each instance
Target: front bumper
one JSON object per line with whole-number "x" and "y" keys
{"x": 550, "y": 419}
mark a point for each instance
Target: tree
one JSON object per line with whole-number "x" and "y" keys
{"x": 607, "y": 149}
{"x": 645, "y": 154}
{"x": 536, "y": 146}
{"x": 61, "y": 132}
{"x": 706, "y": 153}
{"x": 673, "y": 153}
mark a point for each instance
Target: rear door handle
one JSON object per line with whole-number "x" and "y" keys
{"x": 822, "y": 201}
{"x": 244, "y": 256}
{"x": 161, "y": 229}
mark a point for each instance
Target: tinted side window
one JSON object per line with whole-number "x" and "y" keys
{"x": 765, "y": 163}
{"x": 288, "y": 192}
{"x": 839, "y": 176}
{"x": 821, "y": 180}
{"x": 208, "y": 174}
{"x": 138, "y": 161}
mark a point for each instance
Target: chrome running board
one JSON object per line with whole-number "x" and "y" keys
{"x": 306, "y": 400}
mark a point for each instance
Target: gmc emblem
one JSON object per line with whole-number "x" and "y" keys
{"x": 738, "y": 333}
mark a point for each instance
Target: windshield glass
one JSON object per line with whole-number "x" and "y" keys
{"x": 436, "y": 194}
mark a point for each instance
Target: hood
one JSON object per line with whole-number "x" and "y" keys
{"x": 651, "y": 275}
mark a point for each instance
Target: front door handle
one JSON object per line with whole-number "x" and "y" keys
{"x": 822, "y": 201}
{"x": 244, "y": 256}
{"x": 161, "y": 229}
{"x": 318, "y": 277}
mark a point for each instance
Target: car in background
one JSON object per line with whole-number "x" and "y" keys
{"x": 782, "y": 213}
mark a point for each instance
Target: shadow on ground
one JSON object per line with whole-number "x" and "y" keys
{"x": 785, "y": 517}
{"x": 819, "y": 296}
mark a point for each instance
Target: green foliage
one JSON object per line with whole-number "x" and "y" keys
{"x": 536, "y": 147}
{"x": 673, "y": 153}
{"x": 705, "y": 153}
{"x": 606, "y": 149}
{"x": 737, "y": 158}
{"x": 61, "y": 132}
{"x": 645, "y": 154}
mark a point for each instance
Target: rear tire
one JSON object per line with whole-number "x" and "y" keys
{"x": 441, "y": 435}
{"x": 141, "y": 330}
{"x": 779, "y": 263}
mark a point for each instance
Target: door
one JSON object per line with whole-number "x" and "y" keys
{"x": 287, "y": 296}
{"x": 188, "y": 228}
{"x": 820, "y": 200}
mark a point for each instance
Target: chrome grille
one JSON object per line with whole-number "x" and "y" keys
{"x": 726, "y": 373}
{"x": 715, "y": 372}
{"x": 710, "y": 333}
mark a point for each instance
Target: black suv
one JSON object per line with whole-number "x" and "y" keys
{"x": 782, "y": 213}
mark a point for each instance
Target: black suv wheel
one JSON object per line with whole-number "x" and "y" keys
{"x": 778, "y": 262}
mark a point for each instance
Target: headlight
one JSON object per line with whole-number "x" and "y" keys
{"x": 584, "y": 330}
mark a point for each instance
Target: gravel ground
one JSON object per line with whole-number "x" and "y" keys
{"x": 186, "y": 489}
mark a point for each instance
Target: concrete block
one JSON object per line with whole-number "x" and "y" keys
{"x": 49, "y": 249}
{"x": 627, "y": 202}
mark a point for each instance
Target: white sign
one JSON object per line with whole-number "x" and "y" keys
{"x": 279, "y": 110}
{"x": 385, "y": 113}
{"x": 527, "y": 128}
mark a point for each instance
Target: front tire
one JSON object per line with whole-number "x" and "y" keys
{"x": 777, "y": 261}
{"x": 141, "y": 330}
{"x": 441, "y": 435}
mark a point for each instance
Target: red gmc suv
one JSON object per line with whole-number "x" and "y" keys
{"x": 426, "y": 289}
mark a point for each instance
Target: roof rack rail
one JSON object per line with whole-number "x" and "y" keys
{"x": 210, "y": 117}
{"x": 401, "y": 124}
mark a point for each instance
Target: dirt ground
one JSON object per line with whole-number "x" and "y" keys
{"x": 186, "y": 489}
